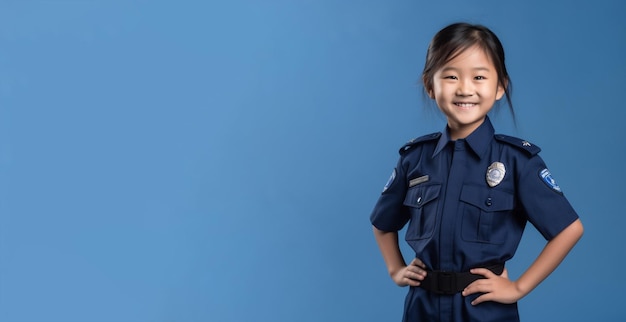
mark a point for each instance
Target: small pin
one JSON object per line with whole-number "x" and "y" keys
{"x": 525, "y": 143}
{"x": 495, "y": 174}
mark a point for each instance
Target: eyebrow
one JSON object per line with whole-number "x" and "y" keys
{"x": 445, "y": 69}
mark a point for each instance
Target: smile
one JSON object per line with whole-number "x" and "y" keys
{"x": 465, "y": 105}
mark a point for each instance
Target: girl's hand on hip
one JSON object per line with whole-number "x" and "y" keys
{"x": 411, "y": 274}
{"x": 497, "y": 288}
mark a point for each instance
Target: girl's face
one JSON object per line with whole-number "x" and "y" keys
{"x": 465, "y": 89}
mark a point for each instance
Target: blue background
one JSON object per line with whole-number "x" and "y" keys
{"x": 218, "y": 161}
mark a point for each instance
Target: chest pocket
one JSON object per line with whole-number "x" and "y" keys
{"x": 421, "y": 201}
{"x": 487, "y": 214}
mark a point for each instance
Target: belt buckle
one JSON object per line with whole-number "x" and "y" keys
{"x": 446, "y": 283}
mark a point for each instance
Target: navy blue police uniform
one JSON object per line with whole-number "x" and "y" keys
{"x": 467, "y": 203}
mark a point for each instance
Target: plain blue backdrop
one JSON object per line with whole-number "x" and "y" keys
{"x": 218, "y": 160}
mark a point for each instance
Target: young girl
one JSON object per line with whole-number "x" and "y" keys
{"x": 467, "y": 194}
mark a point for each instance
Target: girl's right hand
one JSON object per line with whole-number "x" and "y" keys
{"x": 411, "y": 274}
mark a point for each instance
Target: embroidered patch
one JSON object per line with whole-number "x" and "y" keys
{"x": 546, "y": 176}
{"x": 390, "y": 181}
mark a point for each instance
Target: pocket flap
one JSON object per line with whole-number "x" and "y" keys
{"x": 487, "y": 199}
{"x": 420, "y": 195}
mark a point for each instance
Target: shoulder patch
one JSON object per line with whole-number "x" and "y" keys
{"x": 415, "y": 142}
{"x": 547, "y": 178}
{"x": 523, "y": 145}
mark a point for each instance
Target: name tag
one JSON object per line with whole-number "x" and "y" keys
{"x": 418, "y": 180}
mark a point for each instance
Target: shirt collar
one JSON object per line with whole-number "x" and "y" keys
{"x": 478, "y": 140}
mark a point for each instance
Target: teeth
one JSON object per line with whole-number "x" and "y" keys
{"x": 465, "y": 104}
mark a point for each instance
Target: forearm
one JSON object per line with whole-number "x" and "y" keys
{"x": 551, "y": 256}
{"x": 390, "y": 249}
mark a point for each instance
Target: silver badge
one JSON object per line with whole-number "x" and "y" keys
{"x": 495, "y": 174}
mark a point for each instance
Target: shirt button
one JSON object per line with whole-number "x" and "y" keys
{"x": 488, "y": 202}
{"x": 419, "y": 200}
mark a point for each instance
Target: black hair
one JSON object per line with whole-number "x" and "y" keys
{"x": 452, "y": 40}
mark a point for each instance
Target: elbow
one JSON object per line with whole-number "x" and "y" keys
{"x": 581, "y": 228}
{"x": 577, "y": 229}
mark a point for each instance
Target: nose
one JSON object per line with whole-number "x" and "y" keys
{"x": 465, "y": 88}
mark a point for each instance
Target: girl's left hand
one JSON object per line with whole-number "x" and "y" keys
{"x": 497, "y": 288}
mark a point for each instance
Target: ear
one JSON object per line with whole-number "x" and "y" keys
{"x": 501, "y": 90}
{"x": 428, "y": 87}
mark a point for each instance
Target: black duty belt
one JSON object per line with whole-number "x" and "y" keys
{"x": 448, "y": 283}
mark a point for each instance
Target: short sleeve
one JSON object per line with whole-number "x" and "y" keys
{"x": 389, "y": 214}
{"x": 543, "y": 201}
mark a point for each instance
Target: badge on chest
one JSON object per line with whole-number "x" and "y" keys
{"x": 495, "y": 174}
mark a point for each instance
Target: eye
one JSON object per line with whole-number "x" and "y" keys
{"x": 450, "y": 77}
{"x": 480, "y": 78}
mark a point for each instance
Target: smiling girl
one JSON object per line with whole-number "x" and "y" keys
{"x": 468, "y": 193}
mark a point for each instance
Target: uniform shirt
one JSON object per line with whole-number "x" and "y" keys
{"x": 458, "y": 219}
